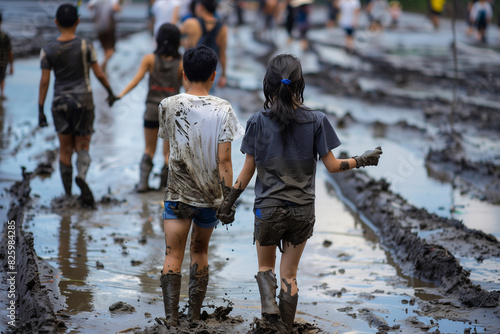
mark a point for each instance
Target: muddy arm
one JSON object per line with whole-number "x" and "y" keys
{"x": 334, "y": 165}
{"x": 225, "y": 164}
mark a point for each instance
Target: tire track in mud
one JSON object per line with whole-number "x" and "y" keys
{"x": 398, "y": 224}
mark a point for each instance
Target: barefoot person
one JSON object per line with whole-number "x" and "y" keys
{"x": 284, "y": 141}
{"x": 70, "y": 57}
{"x": 165, "y": 78}
{"x": 199, "y": 129}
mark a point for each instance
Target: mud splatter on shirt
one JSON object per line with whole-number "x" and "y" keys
{"x": 194, "y": 126}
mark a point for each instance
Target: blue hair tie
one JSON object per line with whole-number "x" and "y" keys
{"x": 286, "y": 81}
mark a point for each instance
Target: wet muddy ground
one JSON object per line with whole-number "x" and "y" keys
{"x": 410, "y": 246}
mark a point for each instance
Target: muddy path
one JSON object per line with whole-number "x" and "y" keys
{"x": 410, "y": 246}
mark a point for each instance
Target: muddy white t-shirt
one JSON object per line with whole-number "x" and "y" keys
{"x": 194, "y": 126}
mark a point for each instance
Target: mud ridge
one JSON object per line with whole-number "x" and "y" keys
{"x": 35, "y": 311}
{"x": 482, "y": 177}
{"x": 398, "y": 223}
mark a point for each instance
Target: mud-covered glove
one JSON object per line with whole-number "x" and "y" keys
{"x": 42, "y": 120}
{"x": 369, "y": 158}
{"x": 112, "y": 99}
{"x": 227, "y": 209}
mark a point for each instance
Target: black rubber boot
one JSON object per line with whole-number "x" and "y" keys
{"x": 164, "y": 177}
{"x": 82, "y": 166}
{"x": 67, "y": 177}
{"x": 198, "y": 281}
{"x": 171, "y": 289}
{"x": 145, "y": 169}
{"x": 288, "y": 307}
{"x": 270, "y": 311}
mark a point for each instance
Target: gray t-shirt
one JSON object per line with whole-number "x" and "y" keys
{"x": 70, "y": 61}
{"x": 286, "y": 169}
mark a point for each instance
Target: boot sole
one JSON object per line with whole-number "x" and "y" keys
{"x": 86, "y": 196}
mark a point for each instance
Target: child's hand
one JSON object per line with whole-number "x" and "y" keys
{"x": 42, "y": 120}
{"x": 369, "y": 158}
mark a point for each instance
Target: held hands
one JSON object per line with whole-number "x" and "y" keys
{"x": 111, "y": 99}
{"x": 369, "y": 158}
{"x": 227, "y": 209}
{"x": 42, "y": 120}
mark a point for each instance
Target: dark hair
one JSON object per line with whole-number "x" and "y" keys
{"x": 67, "y": 15}
{"x": 168, "y": 40}
{"x": 209, "y": 5}
{"x": 199, "y": 63}
{"x": 282, "y": 98}
{"x": 0, "y": 17}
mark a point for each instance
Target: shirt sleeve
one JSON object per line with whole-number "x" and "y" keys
{"x": 91, "y": 56}
{"x": 162, "y": 118}
{"x": 248, "y": 143}
{"x": 231, "y": 129}
{"x": 44, "y": 60}
{"x": 325, "y": 138}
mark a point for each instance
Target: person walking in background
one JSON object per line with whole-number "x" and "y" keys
{"x": 207, "y": 29}
{"x": 199, "y": 129}
{"x": 6, "y": 58}
{"x": 70, "y": 57}
{"x": 165, "y": 78}
{"x": 349, "y": 19}
{"x": 165, "y": 11}
{"x": 435, "y": 10}
{"x": 481, "y": 14}
{"x": 105, "y": 24}
{"x": 283, "y": 142}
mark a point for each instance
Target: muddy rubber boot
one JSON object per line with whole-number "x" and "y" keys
{"x": 144, "y": 170}
{"x": 164, "y": 177}
{"x": 82, "y": 166}
{"x": 197, "y": 290}
{"x": 270, "y": 311}
{"x": 66, "y": 177}
{"x": 267, "y": 288}
{"x": 171, "y": 290}
{"x": 288, "y": 307}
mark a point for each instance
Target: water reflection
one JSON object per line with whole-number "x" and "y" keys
{"x": 72, "y": 258}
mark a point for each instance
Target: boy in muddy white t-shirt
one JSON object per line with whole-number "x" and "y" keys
{"x": 199, "y": 129}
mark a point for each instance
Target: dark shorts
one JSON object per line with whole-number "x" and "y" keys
{"x": 72, "y": 115}
{"x": 3, "y": 72}
{"x": 151, "y": 113}
{"x": 107, "y": 39}
{"x": 349, "y": 31}
{"x": 290, "y": 223}
{"x": 434, "y": 12}
{"x": 202, "y": 217}
{"x": 151, "y": 124}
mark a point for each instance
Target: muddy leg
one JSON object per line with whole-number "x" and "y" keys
{"x": 289, "y": 290}
{"x": 145, "y": 169}
{"x": 198, "y": 282}
{"x": 288, "y": 305}
{"x": 82, "y": 166}
{"x": 171, "y": 289}
{"x": 67, "y": 177}
{"x": 200, "y": 237}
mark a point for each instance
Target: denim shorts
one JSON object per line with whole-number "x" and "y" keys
{"x": 290, "y": 223}
{"x": 202, "y": 217}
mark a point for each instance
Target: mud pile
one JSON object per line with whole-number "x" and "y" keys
{"x": 431, "y": 260}
{"x": 35, "y": 311}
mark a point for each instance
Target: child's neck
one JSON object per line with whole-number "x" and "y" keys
{"x": 199, "y": 89}
{"x": 66, "y": 35}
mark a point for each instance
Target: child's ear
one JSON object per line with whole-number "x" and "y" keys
{"x": 184, "y": 76}
{"x": 213, "y": 76}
